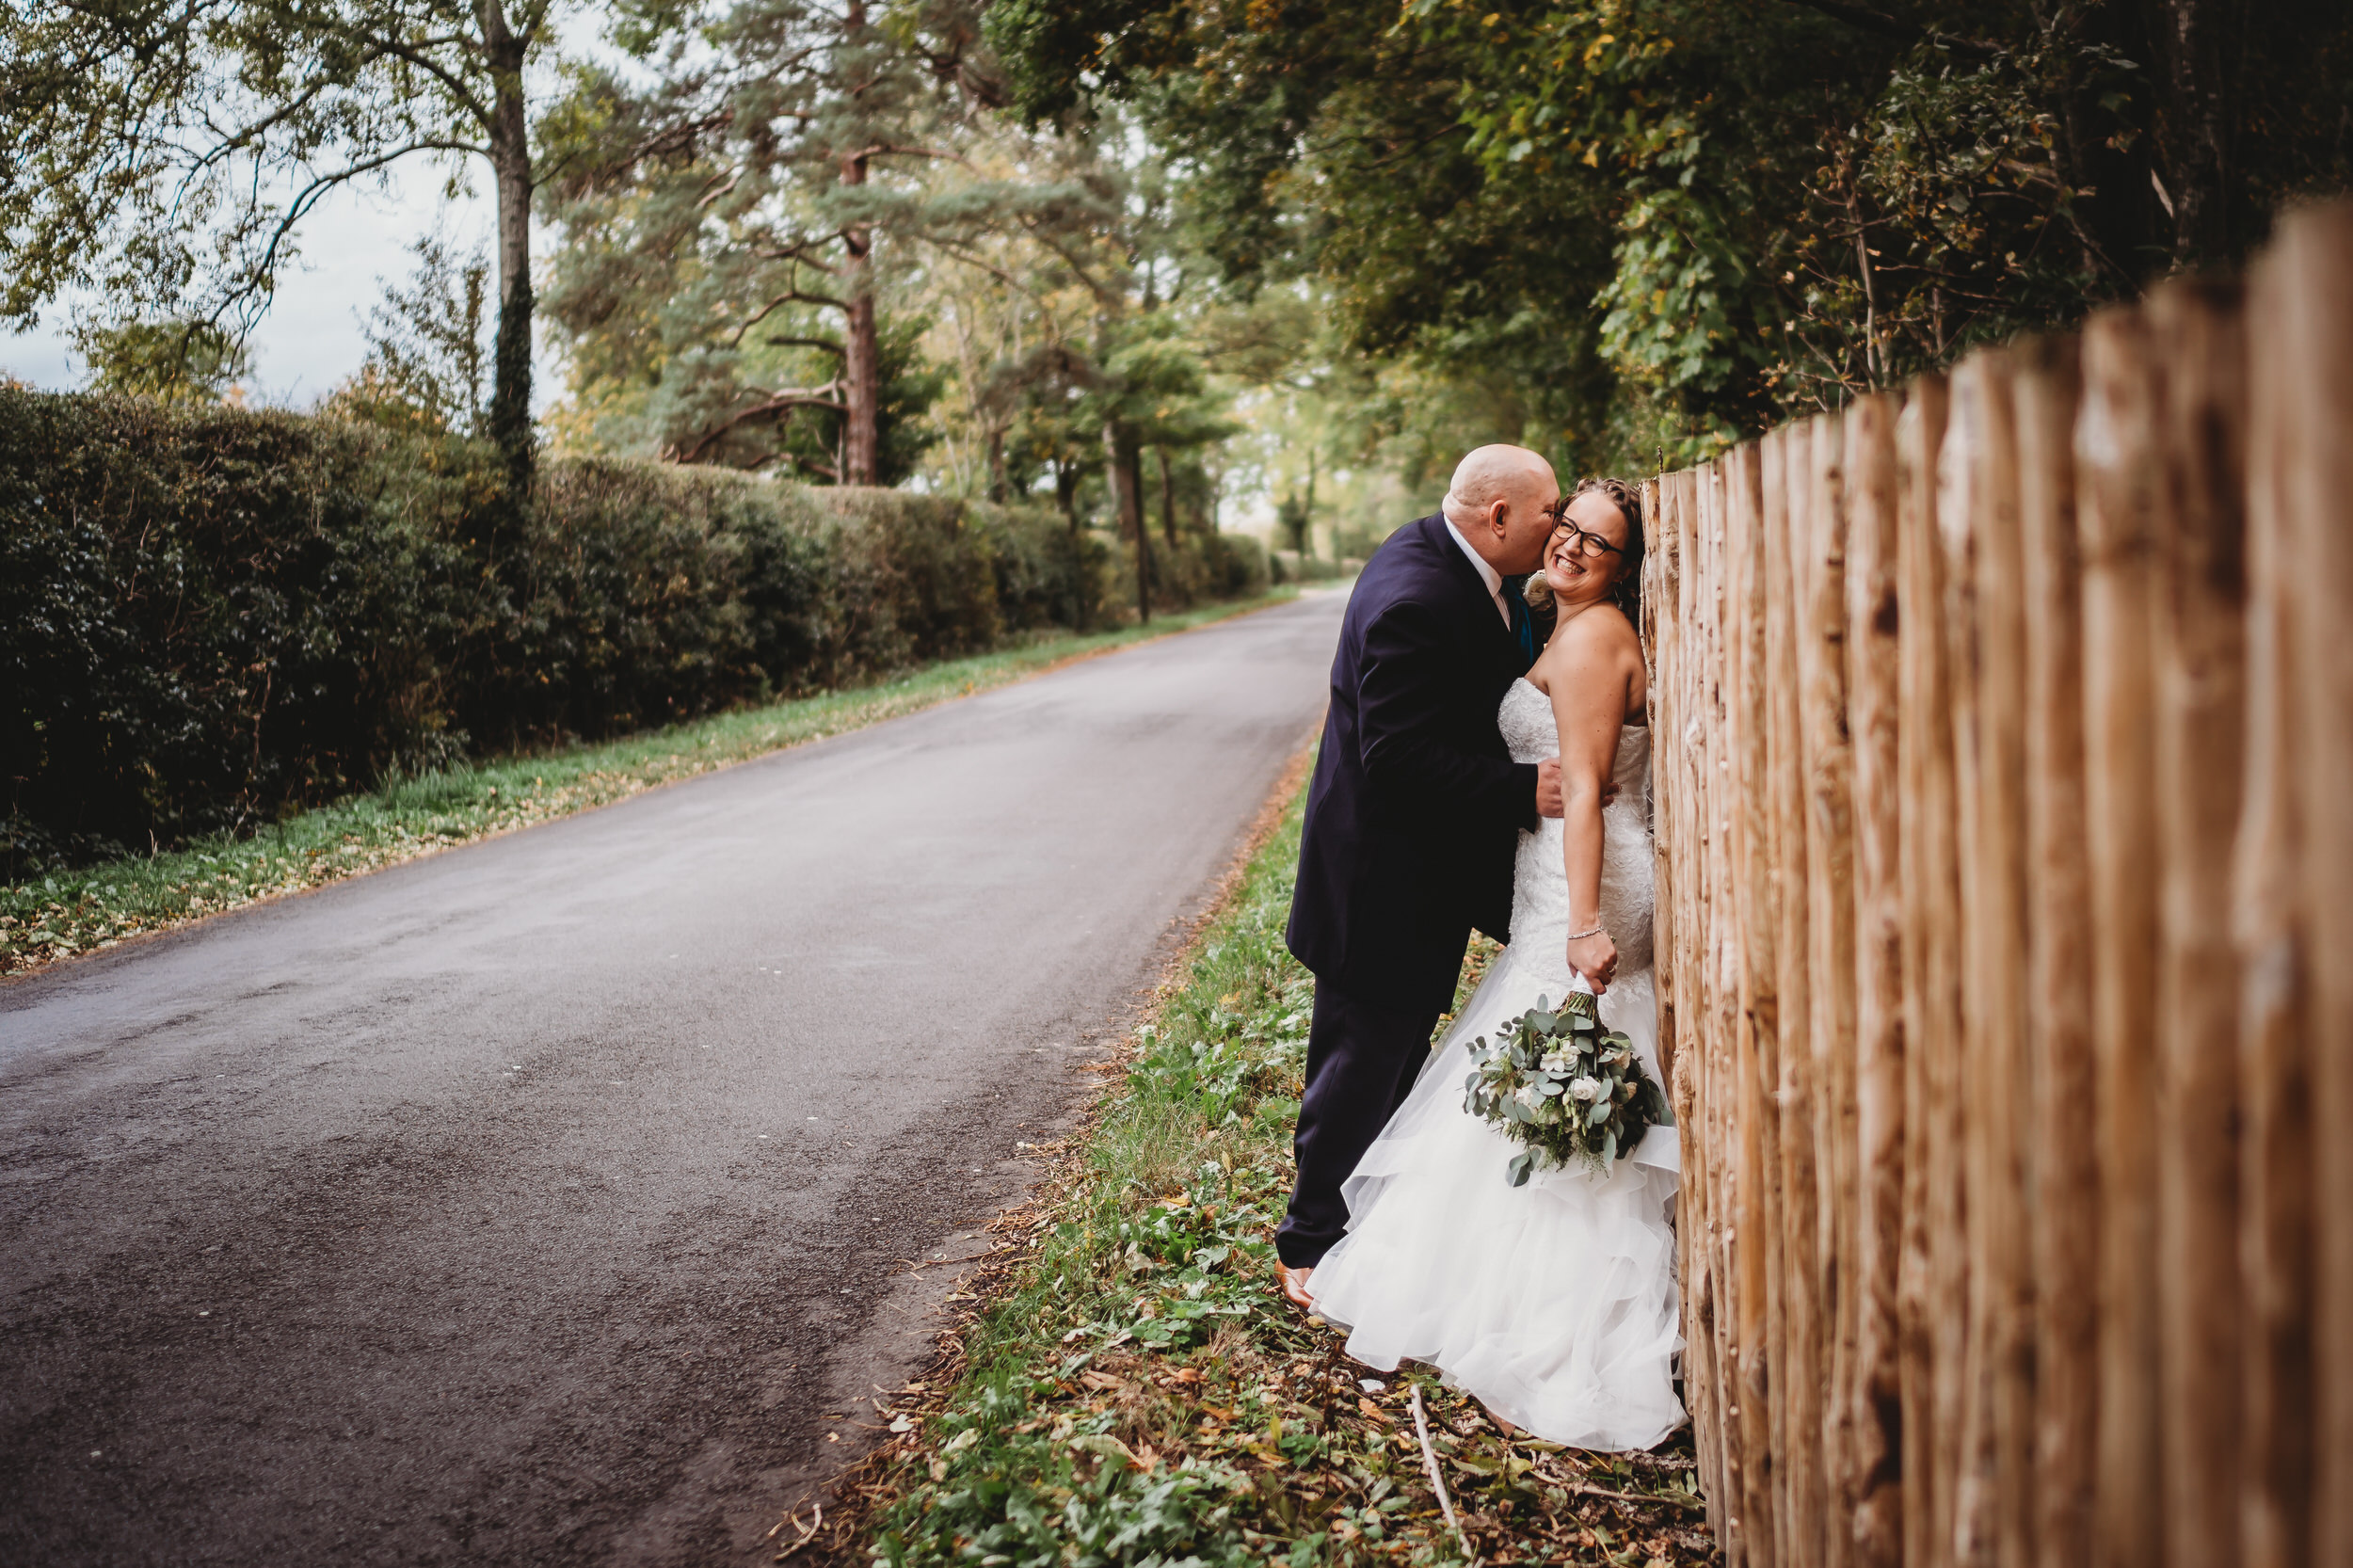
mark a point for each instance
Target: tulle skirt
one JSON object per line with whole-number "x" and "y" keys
{"x": 1553, "y": 1303}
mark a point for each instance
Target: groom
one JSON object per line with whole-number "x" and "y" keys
{"x": 1413, "y": 818}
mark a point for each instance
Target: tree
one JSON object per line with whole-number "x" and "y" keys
{"x": 427, "y": 361}
{"x": 1291, "y": 517}
{"x": 737, "y": 209}
{"x": 1665, "y": 222}
{"x": 179, "y": 361}
{"x": 167, "y": 155}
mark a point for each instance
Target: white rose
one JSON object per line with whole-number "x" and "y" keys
{"x": 1586, "y": 1089}
{"x": 1530, "y": 1097}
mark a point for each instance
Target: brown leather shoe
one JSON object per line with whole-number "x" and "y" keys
{"x": 1294, "y": 1283}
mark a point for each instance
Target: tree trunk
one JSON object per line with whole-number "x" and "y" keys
{"x": 2116, "y": 218}
{"x": 1067, "y": 493}
{"x": 861, "y": 368}
{"x": 2193, "y": 129}
{"x": 1308, "y": 528}
{"x": 510, "y": 163}
{"x": 998, "y": 486}
{"x": 1168, "y": 500}
{"x": 1124, "y": 463}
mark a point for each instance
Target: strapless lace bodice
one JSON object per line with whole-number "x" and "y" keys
{"x": 1540, "y": 884}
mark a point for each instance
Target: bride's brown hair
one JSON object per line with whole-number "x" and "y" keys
{"x": 1625, "y": 589}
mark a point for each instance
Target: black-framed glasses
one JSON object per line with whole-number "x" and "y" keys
{"x": 1592, "y": 546}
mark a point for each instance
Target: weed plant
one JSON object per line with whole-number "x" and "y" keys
{"x": 62, "y": 913}
{"x": 1136, "y": 1391}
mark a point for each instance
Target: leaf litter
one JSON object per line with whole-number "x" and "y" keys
{"x": 1127, "y": 1385}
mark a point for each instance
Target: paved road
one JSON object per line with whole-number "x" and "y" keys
{"x": 535, "y": 1203}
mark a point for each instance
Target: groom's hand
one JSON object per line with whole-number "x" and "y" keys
{"x": 1548, "y": 801}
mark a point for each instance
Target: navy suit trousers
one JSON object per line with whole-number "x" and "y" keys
{"x": 1362, "y": 1060}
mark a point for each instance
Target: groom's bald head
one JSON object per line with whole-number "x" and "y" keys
{"x": 1497, "y": 503}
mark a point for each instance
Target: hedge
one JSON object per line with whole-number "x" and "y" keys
{"x": 213, "y": 618}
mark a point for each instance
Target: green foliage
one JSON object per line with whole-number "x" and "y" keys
{"x": 163, "y": 158}
{"x": 1291, "y": 520}
{"x": 1621, "y": 230}
{"x": 182, "y": 361}
{"x": 428, "y": 358}
{"x": 209, "y": 618}
{"x": 733, "y": 224}
{"x": 1567, "y": 1088}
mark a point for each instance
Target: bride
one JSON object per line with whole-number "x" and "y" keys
{"x": 1554, "y": 1302}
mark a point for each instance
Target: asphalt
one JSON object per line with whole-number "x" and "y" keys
{"x": 550, "y": 1200}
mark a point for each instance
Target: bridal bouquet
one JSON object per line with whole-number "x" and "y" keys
{"x": 1569, "y": 1089}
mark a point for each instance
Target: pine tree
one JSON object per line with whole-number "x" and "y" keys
{"x": 730, "y": 238}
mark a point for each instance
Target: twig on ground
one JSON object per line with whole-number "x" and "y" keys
{"x": 1437, "y": 1480}
{"x": 1647, "y": 1499}
{"x": 806, "y": 1535}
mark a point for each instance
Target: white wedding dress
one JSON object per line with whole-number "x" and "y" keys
{"x": 1553, "y": 1303}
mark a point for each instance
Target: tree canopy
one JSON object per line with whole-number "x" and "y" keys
{"x": 1659, "y": 221}
{"x": 1093, "y": 250}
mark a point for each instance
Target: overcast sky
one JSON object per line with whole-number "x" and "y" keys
{"x": 311, "y": 338}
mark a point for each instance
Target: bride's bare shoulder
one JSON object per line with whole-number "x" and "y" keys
{"x": 1601, "y": 634}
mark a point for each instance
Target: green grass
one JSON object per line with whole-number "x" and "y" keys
{"x": 1135, "y": 1391}
{"x": 56, "y": 915}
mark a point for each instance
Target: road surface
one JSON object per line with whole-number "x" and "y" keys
{"x": 538, "y": 1202}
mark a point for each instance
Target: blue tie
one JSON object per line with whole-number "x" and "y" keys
{"x": 1523, "y": 625}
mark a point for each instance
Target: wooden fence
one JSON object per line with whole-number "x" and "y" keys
{"x": 2004, "y": 819}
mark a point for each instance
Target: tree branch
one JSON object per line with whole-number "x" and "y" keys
{"x": 310, "y": 195}
{"x": 771, "y": 404}
{"x": 450, "y": 82}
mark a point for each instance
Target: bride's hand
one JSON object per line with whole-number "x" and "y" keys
{"x": 1596, "y": 957}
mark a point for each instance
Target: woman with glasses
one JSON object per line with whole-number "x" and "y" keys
{"x": 1553, "y": 1302}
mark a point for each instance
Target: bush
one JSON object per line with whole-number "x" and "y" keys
{"x": 1199, "y": 568}
{"x": 210, "y": 617}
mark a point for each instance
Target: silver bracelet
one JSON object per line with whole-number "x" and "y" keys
{"x": 1580, "y": 936}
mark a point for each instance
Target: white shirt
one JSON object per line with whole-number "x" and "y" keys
{"x": 1487, "y": 574}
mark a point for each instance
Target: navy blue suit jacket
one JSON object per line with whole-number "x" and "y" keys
{"x": 1417, "y": 805}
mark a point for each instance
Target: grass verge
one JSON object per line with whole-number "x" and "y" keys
{"x": 57, "y": 916}
{"x": 1131, "y": 1389}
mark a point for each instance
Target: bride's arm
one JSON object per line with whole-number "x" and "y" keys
{"x": 1586, "y": 680}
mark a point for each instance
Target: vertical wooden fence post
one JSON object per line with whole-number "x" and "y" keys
{"x": 1984, "y": 638}
{"x": 2065, "y": 1217}
{"x": 1746, "y": 921}
{"x": 2270, "y": 928}
{"x": 2308, "y": 403}
{"x": 1873, "y": 629}
{"x": 1675, "y": 734}
{"x": 1720, "y": 994}
{"x": 2117, "y": 467}
{"x": 1932, "y": 1284}
{"x": 1820, "y": 554}
{"x": 2199, "y": 566}
{"x": 1797, "y": 1425}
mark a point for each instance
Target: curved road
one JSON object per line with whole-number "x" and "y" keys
{"x": 538, "y": 1202}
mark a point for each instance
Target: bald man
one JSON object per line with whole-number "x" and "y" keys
{"x": 1414, "y": 815}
